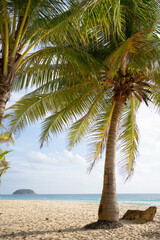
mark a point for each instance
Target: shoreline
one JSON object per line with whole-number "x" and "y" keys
{"x": 78, "y": 202}
{"x": 32, "y": 219}
{"x": 131, "y": 199}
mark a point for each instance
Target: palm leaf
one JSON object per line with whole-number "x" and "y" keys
{"x": 128, "y": 138}
{"x": 99, "y": 134}
{"x": 80, "y": 128}
{"x": 3, "y": 163}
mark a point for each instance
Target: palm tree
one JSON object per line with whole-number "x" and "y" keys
{"x": 97, "y": 89}
{"x": 24, "y": 25}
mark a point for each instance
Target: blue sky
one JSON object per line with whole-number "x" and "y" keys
{"x": 53, "y": 169}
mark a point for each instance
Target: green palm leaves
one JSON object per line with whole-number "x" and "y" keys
{"x": 99, "y": 132}
{"x": 25, "y": 25}
{"x": 128, "y": 138}
{"x": 3, "y": 163}
{"x": 7, "y": 138}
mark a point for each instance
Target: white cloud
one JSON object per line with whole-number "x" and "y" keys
{"x": 73, "y": 158}
{"x": 41, "y": 157}
{"x": 35, "y": 161}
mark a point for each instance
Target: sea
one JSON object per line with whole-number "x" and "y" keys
{"x": 133, "y": 199}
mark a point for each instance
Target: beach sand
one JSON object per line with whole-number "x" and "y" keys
{"x": 65, "y": 220}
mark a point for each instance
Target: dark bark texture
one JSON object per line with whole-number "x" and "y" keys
{"x": 6, "y": 83}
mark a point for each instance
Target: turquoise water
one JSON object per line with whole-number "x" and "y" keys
{"x": 136, "y": 199}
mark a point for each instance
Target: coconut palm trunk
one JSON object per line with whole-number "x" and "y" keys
{"x": 4, "y": 97}
{"x": 108, "y": 209}
{"x": 5, "y": 87}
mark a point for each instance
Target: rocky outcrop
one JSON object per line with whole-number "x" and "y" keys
{"x": 140, "y": 216}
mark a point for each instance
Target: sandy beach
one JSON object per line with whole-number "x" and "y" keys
{"x": 65, "y": 220}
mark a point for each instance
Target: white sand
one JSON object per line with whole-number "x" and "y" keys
{"x": 65, "y": 220}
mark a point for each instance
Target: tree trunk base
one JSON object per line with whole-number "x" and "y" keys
{"x": 103, "y": 225}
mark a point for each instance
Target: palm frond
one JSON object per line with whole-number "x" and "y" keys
{"x": 74, "y": 106}
{"x": 154, "y": 74}
{"x": 128, "y": 138}
{"x": 28, "y": 110}
{"x": 35, "y": 105}
{"x": 99, "y": 133}
{"x": 38, "y": 67}
{"x": 120, "y": 58}
{"x": 4, "y": 138}
{"x": 79, "y": 129}
{"x": 4, "y": 165}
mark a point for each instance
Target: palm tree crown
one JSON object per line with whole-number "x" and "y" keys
{"x": 24, "y": 25}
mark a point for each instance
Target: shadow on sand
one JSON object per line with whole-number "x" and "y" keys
{"x": 30, "y": 233}
{"x": 24, "y": 234}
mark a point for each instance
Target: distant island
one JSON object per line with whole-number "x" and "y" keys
{"x": 24, "y": 191}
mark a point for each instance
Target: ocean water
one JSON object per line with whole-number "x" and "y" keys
{"x": 135, "y": 199}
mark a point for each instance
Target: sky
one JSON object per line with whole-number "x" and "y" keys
{"x": 55, "y": 170}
